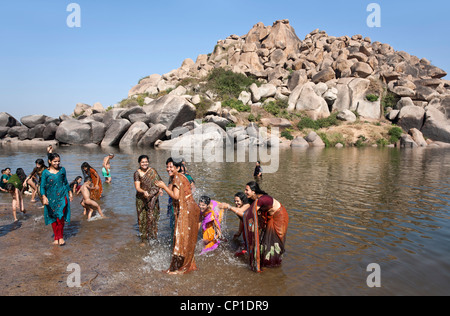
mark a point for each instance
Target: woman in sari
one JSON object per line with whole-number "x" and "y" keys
{"x": 187, "y": 214}
{"x": 56, "y": 197}
{"x": 265, "y": 227}
{"x": 147, "y": 199}
{"x": 88, "y": 171}
{"x": 212, "y": 215}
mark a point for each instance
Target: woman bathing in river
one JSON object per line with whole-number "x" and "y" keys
{"x": 88, "y": 171}
{"x": 265, "y": 225}
{"x": 187, "y": 214}
{"x": 147, "y": 199}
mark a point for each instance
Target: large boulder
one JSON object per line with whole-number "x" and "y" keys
{"x": 312, "y": 104}
{"x": 73, "y": 132}
{"x": 171, "y": 111}
{"x": 154, "y": 133}
{"x": 31, "y": 121}
{"x": 411, "y": 117}
{"x": 18, "y": 131}
{"x": 49, "y": 132}
{"x": 6, "y": 120}
{"x": 115, "y": 132}
{"x": 133, "y": 135}
{"x": 3, "y": 131}
{"x": 436, "y": 126}
{"x": 207, "y": 135}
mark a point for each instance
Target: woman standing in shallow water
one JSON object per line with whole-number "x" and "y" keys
{"x": 187, "y": 216}
{"x": 147, "y": 199}
{"x": 56, "y": 197}
{"x": 265, "y": 227}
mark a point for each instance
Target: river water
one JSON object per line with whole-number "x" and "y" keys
{"x": 348, "y": 208}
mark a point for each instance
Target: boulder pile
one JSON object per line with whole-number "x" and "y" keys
{"x": 319, "y": 75}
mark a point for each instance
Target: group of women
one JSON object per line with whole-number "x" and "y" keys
{"x": 51, "y": 186}
{"x": 263, "y": 219}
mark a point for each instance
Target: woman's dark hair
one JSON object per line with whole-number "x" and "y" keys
{"x": 52, "y": 156}
{"x": 176, "y": 162}
{"x": 21, "y": 174}
{"x": 243, "y": 197}
{"x": 41, "y": 163}
{"x": 254, "y": 186}
{"x": 143, "y": 157}
{"x": 9, "y": 187}
{"x": 86, "y": 173}
{"x": 205, "y": 199}
{"x": 74, "y": 182}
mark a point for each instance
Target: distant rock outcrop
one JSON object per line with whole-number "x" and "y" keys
{"x": 316, "y": 76}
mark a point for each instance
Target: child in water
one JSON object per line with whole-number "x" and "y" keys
{"x": 87, "y": 202}
{"x": 212, "y": 214}
{"x": 17, "y": 201}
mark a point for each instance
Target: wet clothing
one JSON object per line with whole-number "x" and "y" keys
{"x": 211, "y": 225}
{"x": 187, "y": 215}
{"x": 148, "y": 208}
{"x": 265, "y": 234}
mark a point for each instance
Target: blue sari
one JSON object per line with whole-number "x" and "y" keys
{"x": 56, "y": 188}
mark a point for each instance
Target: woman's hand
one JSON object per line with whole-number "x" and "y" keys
{"x": 44, "y": 200}
{"x": 160, "y": 184}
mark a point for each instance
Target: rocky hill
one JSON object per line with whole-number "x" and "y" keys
{"x": 346, "y": 86}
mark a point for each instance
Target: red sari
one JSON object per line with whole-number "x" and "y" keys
{"x": 264, "y": 234}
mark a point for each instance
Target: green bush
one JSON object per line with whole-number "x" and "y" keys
{"x": 202, "y": 107}
{"x": 330, "y": 140}
{"x": 372, "y": 97}
{"x": 382, "y": 142}
{"x": 307, "y": 122}
{"x": 227, "y": 83}
{"x": 329, "y": 121}
{"x": 390, "y": 99}
{"x": 237, "y": 105}
{"x": 395, "y": 133}
{"x": 287, "y": 134}
{"x": 277, "y": 107}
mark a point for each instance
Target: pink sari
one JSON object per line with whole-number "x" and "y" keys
{"x": 211, "y": 225}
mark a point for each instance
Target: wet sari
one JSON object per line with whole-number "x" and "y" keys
{"x": 187, "y": 215}
{"x": 96, "y": 181}
{"x": 211, "y": 224}
{"x": 265, "y": 234}
{"x": 147, "y": 208}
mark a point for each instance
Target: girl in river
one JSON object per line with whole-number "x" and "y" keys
{"x": 265, "y": 227}
{"x": 212, "y": 215}
{"x": 187, "y": 214}
{"x": 56, "y": 197}
{"x": 88, "y": 171}
{"x": 34, "y": 179}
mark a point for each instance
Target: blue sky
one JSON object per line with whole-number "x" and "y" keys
{"x": 47, "y": 67}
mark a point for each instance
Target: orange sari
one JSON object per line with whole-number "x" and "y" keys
{"x": 187, "y": 216}
{"x": 96, "y": 181}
